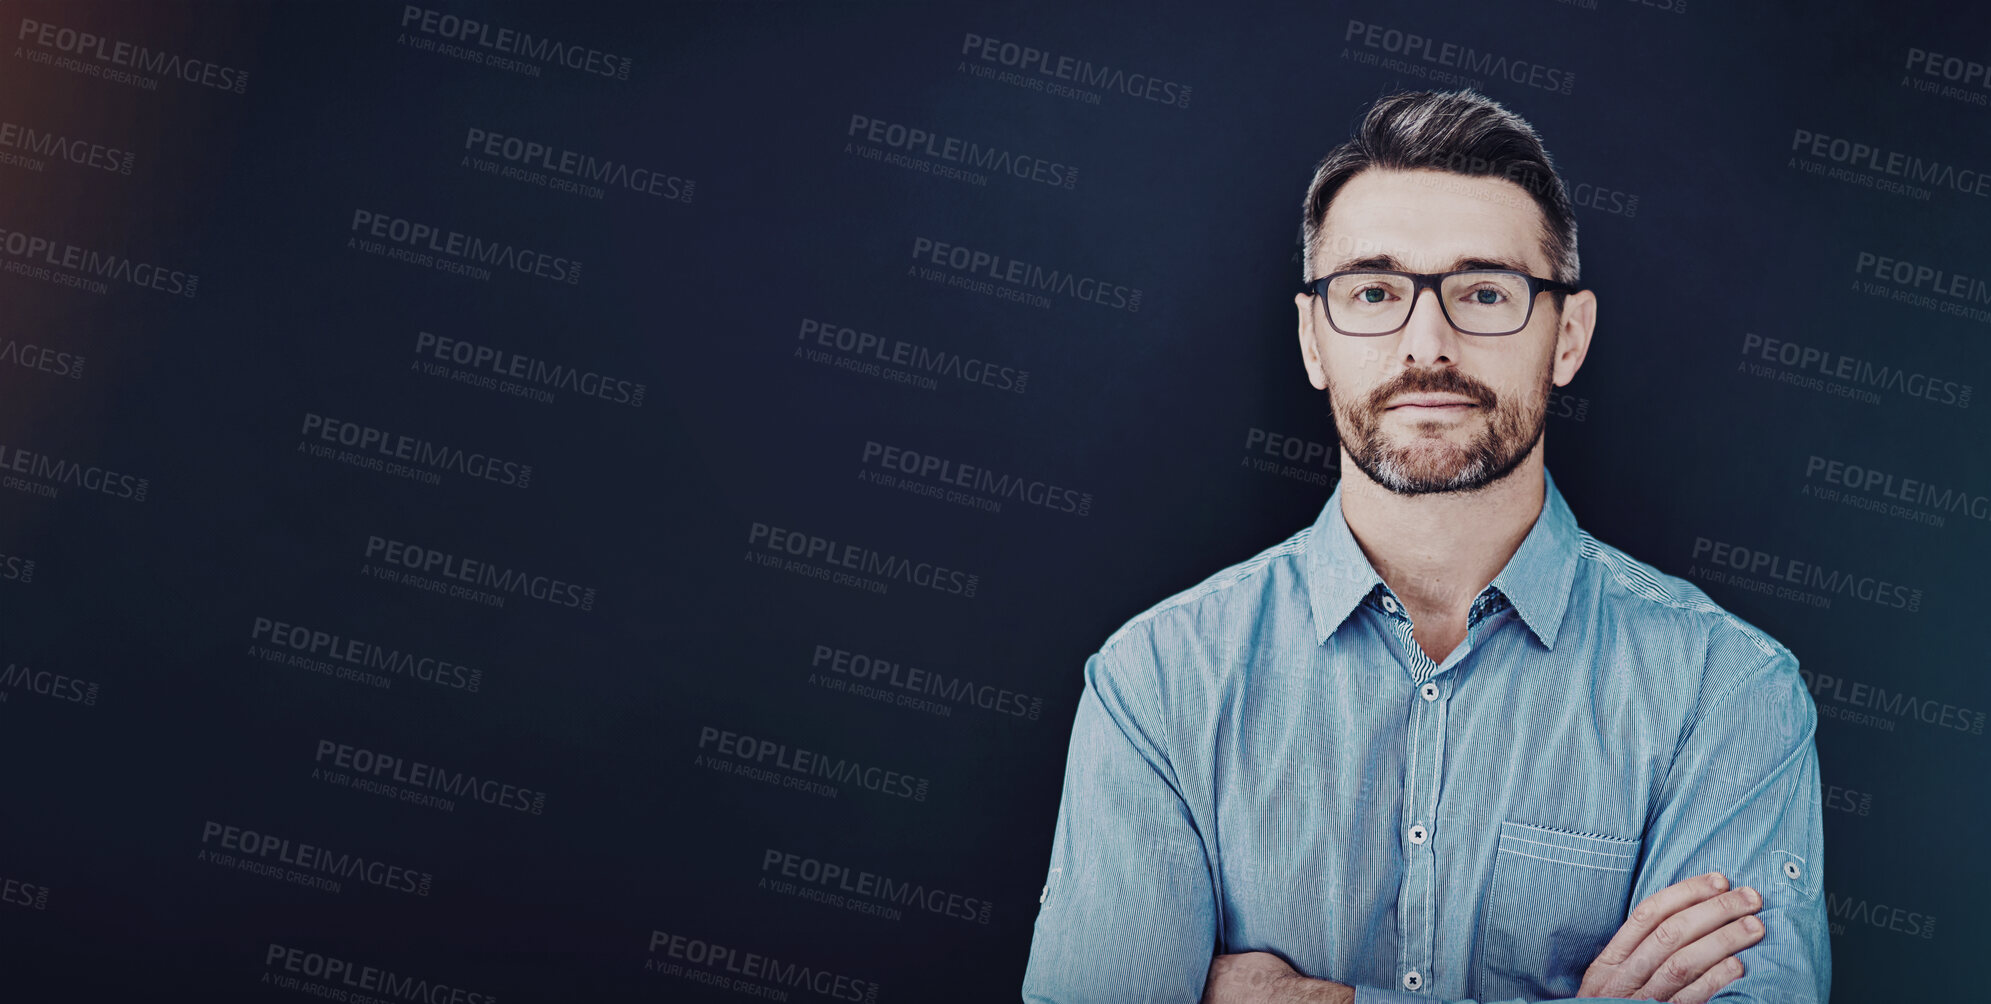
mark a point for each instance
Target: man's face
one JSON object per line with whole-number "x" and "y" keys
{"x": 1429, "y": 408}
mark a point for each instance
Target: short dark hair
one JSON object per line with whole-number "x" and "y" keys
{"x": 1464, "y": 132}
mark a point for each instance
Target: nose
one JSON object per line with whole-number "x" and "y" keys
{"x": 1428, "y": 337}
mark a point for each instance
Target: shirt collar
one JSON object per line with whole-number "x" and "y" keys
{"x": 1536, "y": 579}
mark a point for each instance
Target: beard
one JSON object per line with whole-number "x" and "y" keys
{"x": 1430, "y": 462}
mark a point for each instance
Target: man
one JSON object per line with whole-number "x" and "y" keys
{"x": 1436, "y": 745}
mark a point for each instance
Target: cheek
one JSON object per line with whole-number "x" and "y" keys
{"x": 1519, "y": 376}
{"x": 1355, "y": 363}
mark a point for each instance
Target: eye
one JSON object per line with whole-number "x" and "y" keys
{"x": 1363, "y": 295}
{"x": 1486, "y": 296}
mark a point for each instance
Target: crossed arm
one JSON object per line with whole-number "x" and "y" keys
{"x": 1127, "y": 921}
{"x": 1678, "y": 945}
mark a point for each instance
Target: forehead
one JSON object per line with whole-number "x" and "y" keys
{"x": 1428, "y": 219}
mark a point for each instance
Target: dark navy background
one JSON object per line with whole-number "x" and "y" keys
{"x": 1664, "y": 438}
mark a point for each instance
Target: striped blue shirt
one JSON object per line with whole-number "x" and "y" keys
{"x": 1267, "y": 761}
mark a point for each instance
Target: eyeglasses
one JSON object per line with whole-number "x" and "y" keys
{"x": 1476, "y": 301}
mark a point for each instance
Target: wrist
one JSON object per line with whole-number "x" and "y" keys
{"x": 1301, "y": 990}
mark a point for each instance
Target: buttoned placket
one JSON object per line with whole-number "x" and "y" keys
{"x": 1430, "y": 700}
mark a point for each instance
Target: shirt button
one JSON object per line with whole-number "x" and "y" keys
{"x": 1389, "y": 604}
{"x": 1412, "y": 980}
{"x": 1790, "y": 869}
{"x": 1418, "y": 833}
{"x": 1429, "y": 691}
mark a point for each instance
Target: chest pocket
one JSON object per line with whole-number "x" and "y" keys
{"x": 1557, "y": 898}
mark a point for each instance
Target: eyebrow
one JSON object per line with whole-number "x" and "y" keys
{"x": 1385, "y": 261}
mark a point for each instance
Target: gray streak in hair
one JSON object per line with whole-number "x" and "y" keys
{"x": 1460, "y": 131}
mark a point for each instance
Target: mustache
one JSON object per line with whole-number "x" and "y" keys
{"x": 1432, "y": 381}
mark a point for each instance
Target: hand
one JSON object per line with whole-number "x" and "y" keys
{"x": 1265, "y": 978}
{"x": 1679, "y": 944}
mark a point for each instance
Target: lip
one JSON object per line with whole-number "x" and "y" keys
{"x": 1431, "y": 402}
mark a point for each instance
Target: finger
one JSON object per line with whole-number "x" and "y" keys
{"x": 1645, "y": 917}
{"x": 1714, "y": 979}
{"x": 1701, "y": 957}
{"x": 1684, "y": 928}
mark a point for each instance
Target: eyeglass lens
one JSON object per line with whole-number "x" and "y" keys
{"x": 1476, "y": 302}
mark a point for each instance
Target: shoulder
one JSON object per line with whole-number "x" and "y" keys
{"x": 1652, "y": 608}
{"x": 1225, "y": 605}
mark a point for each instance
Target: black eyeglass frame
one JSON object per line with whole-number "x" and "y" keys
{"x": 1432, "y": 280}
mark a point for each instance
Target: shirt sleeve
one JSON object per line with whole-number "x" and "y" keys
{"x": 1743, "y": 799}
{"x": 1128, "y": 911}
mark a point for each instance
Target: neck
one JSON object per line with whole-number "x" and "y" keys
{"x": 1437, "y": 551}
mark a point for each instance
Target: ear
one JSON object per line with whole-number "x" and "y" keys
{"x": 1572, "y": 336}
{"x": 1309, "y": 348}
